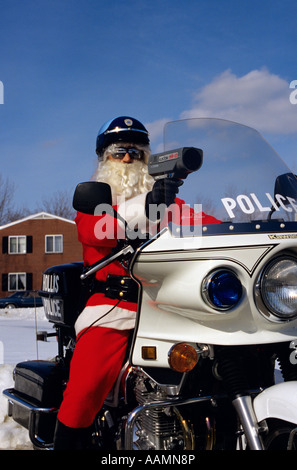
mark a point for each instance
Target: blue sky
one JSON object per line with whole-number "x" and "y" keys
{"x": 67, "y": 66}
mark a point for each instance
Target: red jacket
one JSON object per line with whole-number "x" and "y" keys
{"x": 95, "y": 247}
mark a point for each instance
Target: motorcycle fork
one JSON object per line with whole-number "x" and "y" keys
{"x": 236, "y": 384}
{"x": 244, "y": 408}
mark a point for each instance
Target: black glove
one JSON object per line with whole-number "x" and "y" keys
{"x": 164, "y": 192}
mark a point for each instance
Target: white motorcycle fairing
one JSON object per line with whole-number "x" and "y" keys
{"x": 171, "y": 271}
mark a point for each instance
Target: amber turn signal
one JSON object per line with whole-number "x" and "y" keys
{"x": 149, "y": 352}
{"x": 182, "y": 357}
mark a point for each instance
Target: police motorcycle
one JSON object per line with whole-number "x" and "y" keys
{"x": 212, "y": 360}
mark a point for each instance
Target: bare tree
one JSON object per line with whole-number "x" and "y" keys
{"x": 8, "y": 213}
{"x": 59, "y": 204}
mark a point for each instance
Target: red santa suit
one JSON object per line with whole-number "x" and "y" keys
{"x": 99, "y": 354}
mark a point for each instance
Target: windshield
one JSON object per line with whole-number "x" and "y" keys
{"x": 242, "y": 180}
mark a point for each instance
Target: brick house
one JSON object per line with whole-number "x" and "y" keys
{"x": 32, "y": 244}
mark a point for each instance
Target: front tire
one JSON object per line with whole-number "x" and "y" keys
{"x": 278, "y": 436}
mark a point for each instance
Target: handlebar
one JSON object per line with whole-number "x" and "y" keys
{"x": 107, "y": 260}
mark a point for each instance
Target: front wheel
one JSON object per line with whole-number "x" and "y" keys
{"x": 281, "y": 435}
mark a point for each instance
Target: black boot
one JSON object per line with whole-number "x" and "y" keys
{"x": 66, "y": 438}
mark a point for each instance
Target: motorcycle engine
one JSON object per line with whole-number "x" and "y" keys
{"x": 160, "y": 428}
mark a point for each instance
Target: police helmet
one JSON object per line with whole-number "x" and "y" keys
{"x": 121, "y": 129}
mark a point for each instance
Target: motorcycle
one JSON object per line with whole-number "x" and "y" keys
{"x": 212, "y": 358}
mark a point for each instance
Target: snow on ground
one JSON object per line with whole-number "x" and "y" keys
{"x": 17, "y": 343}
{"x": 12, "y": 436}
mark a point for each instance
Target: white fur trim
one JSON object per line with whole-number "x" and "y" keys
{"x": 133, "y": 212}
{"x": 117, "y": 318}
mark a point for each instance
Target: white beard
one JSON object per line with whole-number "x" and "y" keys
{"x": 125, "y": 179}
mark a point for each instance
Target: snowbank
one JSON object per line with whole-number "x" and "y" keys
{"x": 22, "y": 313}
{"x": 13, "y": 436}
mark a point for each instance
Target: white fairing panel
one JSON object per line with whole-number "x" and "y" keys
{"x": 171, "y": 271}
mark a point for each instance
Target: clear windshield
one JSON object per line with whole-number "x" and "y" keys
{"x": 241, "y": 180}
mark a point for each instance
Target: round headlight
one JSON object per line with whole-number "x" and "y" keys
{"x": 222, "y": 289}
{"x": 278, "y": 287}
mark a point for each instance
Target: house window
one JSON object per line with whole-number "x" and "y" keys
{"x": 17, "y": 244}
{"x": 54, "y": 243}
{"x": 16, "y": 281}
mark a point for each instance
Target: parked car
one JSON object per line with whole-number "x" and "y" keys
{"x": 21, "y": 299}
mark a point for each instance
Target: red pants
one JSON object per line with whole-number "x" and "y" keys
{"x": 96, "y": 363}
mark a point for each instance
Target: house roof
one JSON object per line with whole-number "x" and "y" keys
{"x": 38, "y": 215}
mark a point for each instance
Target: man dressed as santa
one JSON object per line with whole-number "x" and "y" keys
{"x": 104, "y": 326}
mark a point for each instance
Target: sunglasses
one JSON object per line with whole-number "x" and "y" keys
{"x": 120, "y": 152}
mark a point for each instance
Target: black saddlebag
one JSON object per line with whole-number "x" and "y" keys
{"x": 36, "y": 397}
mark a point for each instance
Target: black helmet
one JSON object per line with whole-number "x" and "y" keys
{"x": 121, "y": 129}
